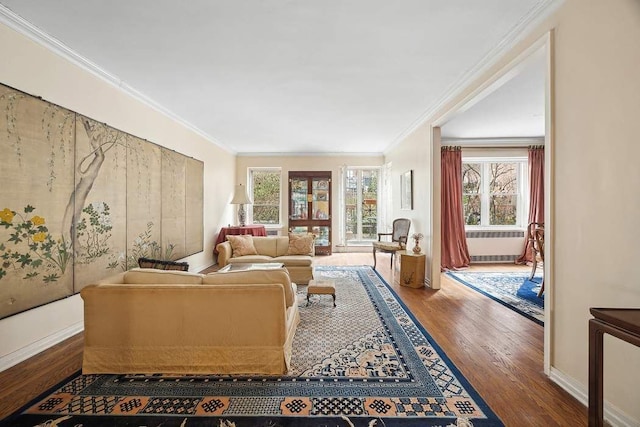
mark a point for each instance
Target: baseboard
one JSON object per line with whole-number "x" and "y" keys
{"x": 612, "y": 415}
{"x": 34, "y": 348}
{"x": 200, "y": 268}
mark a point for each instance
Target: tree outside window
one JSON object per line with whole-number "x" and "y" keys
{"x": 492, "y": 192}
{"x": 471, "y": 196}
{"x": 503, "y": 193}
{"x": 265, "y": 191}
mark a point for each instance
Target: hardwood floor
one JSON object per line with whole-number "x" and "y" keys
{"x": 499, "y": 351}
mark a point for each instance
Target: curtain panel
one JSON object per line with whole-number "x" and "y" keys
{"x": 455, "y": 253}
{"x": 536, "y": 197}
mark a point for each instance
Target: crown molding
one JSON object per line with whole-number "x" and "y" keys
{"x": 527, "y": 24}
{"x": 26, "y": 28}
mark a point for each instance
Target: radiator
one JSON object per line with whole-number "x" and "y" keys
{"x": 495, "y": 246}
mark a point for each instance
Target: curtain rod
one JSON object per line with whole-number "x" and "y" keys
{"x": 493, "y": 142}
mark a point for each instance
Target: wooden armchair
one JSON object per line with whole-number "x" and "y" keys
{"x": 398, "y": 242}
{"x": 535, "y": 233}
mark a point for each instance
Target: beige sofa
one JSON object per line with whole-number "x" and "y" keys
{"x": 271, "y": 249}
{"x": 152, "y": 321}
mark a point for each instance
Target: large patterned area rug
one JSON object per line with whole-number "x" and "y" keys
{"x": 512, "y": 289}
{"x": 367, "y": 362}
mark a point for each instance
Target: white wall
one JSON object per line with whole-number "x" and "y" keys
{"x": 595, "y": 180}
{"x": 32, "y": 68}
{"x": 414, "y": 154}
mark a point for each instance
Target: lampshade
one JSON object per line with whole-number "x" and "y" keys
{"x": 240, "y": 197}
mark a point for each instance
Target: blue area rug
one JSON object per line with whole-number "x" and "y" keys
{"x": 366, "y": 362}
{"x": 512, "y": 289}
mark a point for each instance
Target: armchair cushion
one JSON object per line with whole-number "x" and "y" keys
{"x": 388, "y": 246}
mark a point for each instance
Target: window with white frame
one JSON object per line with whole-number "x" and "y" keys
{"x": 265, "y": 193}
{"x": 494, "y": 192}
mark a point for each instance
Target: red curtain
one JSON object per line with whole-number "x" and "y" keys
{"x": 536, "y": 196}
{"x": 455, "y": 253}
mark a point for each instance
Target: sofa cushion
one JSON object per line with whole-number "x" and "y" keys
{"x": 146, "y": 276}
{"x": 242, "y": 245}
{"x": 294, "y": 260}
{"x": 282, "y": 245}
{"x": 300, "y": 244}
{"x": 265, "y": 245}
{"x": 251, "y": 258}
{"x": 255, "y": 277}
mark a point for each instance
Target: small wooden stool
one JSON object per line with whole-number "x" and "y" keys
{"x": 321, "y": 287}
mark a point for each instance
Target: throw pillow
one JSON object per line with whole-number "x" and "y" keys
{"x": 300, "y": 244}
{"x": 162, "y": 264}
{"x": 242, "y": 245}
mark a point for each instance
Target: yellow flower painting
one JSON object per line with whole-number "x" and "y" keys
{"x": 37, "y": 220}
{"x": 6, "y": 215}
{"x": 39, "y": 237}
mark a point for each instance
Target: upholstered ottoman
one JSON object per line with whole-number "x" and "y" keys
{"x": 321, "y": 287}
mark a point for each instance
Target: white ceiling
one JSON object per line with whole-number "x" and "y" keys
{"x": 278, "y": 76}
{"x": 514, "y": 109}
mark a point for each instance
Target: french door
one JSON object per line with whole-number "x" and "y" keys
{"x": 361, "y": 205}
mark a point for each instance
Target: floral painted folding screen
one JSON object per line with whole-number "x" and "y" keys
{"x": 82, "y": 200}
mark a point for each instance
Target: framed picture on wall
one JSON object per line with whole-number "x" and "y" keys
{"x": 406, "y": 190}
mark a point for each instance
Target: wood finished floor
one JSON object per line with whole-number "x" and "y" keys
{"x": 499, "y": 351}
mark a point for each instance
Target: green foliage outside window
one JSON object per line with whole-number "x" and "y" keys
{"x": 494, "y": 185}
{"x": 266, "y": 196}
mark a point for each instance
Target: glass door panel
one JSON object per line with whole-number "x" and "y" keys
{"x": 322, "y": 235}
{"x": 299, "y": 191}
{"x": 369, "y": 186}
{"x": 300, "y": 230}
{"x": 361, "y": 205}
{"x": 351, "y": 205}
{"x": 320, "y": 199}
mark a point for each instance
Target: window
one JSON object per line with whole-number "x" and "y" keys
{"x": 492, "y": 192}
{"x": 265, "y": 193}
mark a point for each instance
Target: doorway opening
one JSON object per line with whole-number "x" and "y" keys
{"x": 487, "y": 97}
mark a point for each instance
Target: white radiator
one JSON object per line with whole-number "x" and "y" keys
{"x": 495, "y": 246}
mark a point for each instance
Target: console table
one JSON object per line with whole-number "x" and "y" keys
{"x": 622, "y": 323}
{"x": 254, "y": 230}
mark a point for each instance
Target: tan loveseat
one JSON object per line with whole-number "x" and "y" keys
{"x": 271, "y": 249}
{"x": 152, "y": 321}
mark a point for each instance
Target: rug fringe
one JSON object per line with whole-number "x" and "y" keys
{"x": 460, "y": 422}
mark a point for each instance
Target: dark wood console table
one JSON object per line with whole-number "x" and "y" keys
{"x": 622, "y": 323}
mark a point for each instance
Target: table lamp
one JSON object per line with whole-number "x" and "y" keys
{"x": 240, "y": 197}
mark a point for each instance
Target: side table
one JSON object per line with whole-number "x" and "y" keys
{"x": 412, "y": 269}
{"x": 622, "y": 323}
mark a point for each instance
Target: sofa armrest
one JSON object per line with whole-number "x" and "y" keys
{"x": 114, "y": 278}
{"x": 224, "y": 253}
